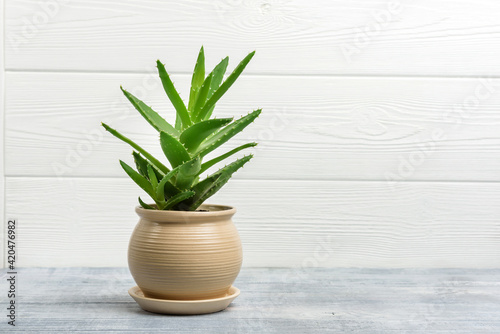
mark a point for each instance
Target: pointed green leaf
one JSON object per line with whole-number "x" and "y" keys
{"x": 170, "y": 190}
{"x": 188, "y": 172}
{"x": 160, "y": 190}
{"x": 191, "y": 167}
{"x": 218, "y": 75}
{"x": 138, "y": 178}
{"x": 197, "y": 80}
{"x": 227, "y": 133}
{"x": 201, "y": 189}
{"x": 209, "y": 186}
{"x": 178, "y": 122}
{"x": 152, "y": 178}
{"x": 144, "y": 205}
{"x": 233, "y": 167}
{"x": 202, "y": 97}
{"x": 193, "y": 136}
{"x": 147, "y": 155}
{"x": 142, "y": 166}
{"x": 212, "y": 162}
{"x": 175, "y": 152}
{"x": 173, "y": 95}
{"x": 225, "y": 86}
{"x": 158, "y": 122}
{"x": 178, "y": 199}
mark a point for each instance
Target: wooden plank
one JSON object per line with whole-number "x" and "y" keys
{"x": 272, "y": 301}
{"x": 299, "y": 37}
{"x": 88, "y": 221}
{"x": 311, "y": 128}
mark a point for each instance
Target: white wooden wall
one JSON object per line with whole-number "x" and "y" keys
{"x": 379, "y": 140}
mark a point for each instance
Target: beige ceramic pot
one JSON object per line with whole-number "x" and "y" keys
{"x": 185, "y": 255}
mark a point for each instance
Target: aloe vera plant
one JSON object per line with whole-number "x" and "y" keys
{"x": 186, "y": 144}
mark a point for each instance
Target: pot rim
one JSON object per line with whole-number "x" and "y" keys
{"x": 216, "y": 212}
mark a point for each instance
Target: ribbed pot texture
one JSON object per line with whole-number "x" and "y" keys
{"x": 184, "y": 255}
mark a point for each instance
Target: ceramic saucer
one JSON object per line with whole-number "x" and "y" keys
{"x": 166, "y": 306}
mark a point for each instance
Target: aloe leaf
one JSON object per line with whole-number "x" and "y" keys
{"x": 152, "y": 178}
{"x": 219, "y": 92}
{"x": 188, "y": 172}
{"x": 170, "y": 190}
{"x": 147, "y": 155}
{"x": 223, "y": 174}
{"x": 197, "y": 79}
{"x": 161, "y": 189}
{"x": 178, "y": 199}
{"x": 138, "y": 178}
{"x": 191, "y": 167}
{"x": 212, "y": 162}
{"x": 142, "y": 166}
{"x": 144, "y": 205}
{"x": 209, "y": 186}
{"x": 233, "y": 167}
{"x": 193, "y": 136}
{"x": 173, "y": 95}
{"x": 201, "y": 98}
{"x": 175, "y": 152}
{"x": 153, "y": 118}
{"x": 178, "y": 122}
{"x": 201, "y": 189}
{"x": 218, "y": 75}
{"x": 227, "y": 133}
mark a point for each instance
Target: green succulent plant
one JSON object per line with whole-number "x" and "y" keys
{"x": 186, "y": 144}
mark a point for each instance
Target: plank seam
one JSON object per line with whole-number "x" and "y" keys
{"x": 254, "y": 179}
{"x": 258, "y": 74}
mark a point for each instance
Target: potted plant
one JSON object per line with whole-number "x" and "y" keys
{"x": 183, "y": 254}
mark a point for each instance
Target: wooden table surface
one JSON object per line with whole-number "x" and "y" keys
{"x": 313, "y": 300}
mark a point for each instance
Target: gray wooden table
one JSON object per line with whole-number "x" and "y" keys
{"x": 59, "y": 300}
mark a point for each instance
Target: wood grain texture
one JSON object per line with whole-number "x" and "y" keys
{"x": 332, "y": 122}
{"x": 312, "y": 127}
{"x": 69, "y": 300}
{"x": 292, "y": 37}
{"x": 88, "y": 221}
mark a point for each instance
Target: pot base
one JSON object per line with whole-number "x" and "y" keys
{"x": 183, "y": 307}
